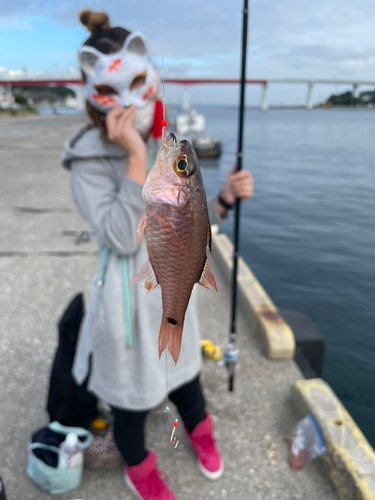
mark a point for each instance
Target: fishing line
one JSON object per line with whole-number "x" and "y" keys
{"x": 162, "y": 52}
{"x": 173, "y": 440}
{"x": 167, "y": 408}
{"x": 164, "y": 122}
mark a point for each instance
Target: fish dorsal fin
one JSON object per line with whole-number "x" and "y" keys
{"x": 209, "y": 235}
{"x": 207, "y": 278}
{"x": 146, "y": 276}
{"x": 141, "y": 227}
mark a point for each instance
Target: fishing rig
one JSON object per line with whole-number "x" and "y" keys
{"x": 231, "y": 352}
{"x": 173, "y": 440}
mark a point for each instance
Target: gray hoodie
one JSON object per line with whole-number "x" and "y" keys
{"x": 112, "y": 203}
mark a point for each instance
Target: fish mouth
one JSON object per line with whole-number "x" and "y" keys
{"x": 176, "y": 148}
{"x": 171, "y": 141}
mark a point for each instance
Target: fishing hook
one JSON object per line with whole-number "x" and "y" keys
{"x": 164, "y": 125}
{"x": 173, "y": 439}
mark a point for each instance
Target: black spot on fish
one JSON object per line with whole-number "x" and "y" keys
{"x": 172, "y": 321}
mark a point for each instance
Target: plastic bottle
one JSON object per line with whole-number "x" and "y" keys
{"x": 73, "y": 451}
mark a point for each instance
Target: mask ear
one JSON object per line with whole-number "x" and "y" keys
{"x": 87, "y": 59}
{"x": 136, "y": 44}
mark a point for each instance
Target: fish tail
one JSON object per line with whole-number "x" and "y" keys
{"x": 170, "y": 335}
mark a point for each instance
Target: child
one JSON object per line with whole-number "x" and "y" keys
{"x": 109, "y": 162}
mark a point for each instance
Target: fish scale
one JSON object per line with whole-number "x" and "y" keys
{"x": 176, "y": 275}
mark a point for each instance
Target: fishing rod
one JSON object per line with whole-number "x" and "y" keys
{"x": 231, "y": 352}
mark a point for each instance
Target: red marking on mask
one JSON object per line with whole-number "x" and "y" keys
{"x": 115, "y": 66}
{"x": 104, "y": 100}
{"x": 148, "y": 93}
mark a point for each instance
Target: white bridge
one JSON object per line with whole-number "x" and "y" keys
{"x": 310, "y": 87}
{"x": 265, "y": 83}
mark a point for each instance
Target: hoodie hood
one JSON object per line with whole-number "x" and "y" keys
{"x": 88, "y": 143}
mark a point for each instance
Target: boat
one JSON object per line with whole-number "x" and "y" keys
{"x": 191, "y": 124}
{"x": 207, "y": 147}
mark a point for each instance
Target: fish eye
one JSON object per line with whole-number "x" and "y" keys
{"x": 182, "y": 164}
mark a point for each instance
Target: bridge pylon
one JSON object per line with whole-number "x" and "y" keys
{"x": 264, "y": 97}
{"x": 310, "y": 88}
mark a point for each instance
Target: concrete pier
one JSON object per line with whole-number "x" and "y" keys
{"x": 41, "y": 270}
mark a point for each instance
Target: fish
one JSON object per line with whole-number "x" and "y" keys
{"x": 178, "y": 231}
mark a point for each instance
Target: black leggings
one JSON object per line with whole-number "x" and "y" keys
{"x": 129, "y": 425}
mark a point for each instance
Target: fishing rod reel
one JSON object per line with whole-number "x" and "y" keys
{"x": 230, "y": 360}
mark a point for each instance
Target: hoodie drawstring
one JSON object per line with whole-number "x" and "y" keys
{"x": 125, "y": 285}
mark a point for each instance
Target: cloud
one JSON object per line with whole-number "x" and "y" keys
{"x": 320, "y": 57}
{"x": 11, "y": 74}
{"x": 296, "y": 38}
{"x": 18, "y": 74}
{"x": 15, "y": 23}
{"x": 358, "y": 65}
{"x": 318, "y": 39}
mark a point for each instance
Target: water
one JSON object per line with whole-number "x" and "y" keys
{"x": 57, "y": 110}
{"x": 308, "y": 232}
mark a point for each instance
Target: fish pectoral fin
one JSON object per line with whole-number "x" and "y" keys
{"x": 146, "y": 276}
{"x": 207, "y": 278}
{"x": 141, "y": 227}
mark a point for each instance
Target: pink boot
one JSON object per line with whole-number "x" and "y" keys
{"x": 202, "y": 440}
{"x": 146, "y": 482}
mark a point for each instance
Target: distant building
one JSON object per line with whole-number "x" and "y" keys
{"x": 6, "y": 97}
{"x": 72, "y": 102}
{"x": 368, "y": 96}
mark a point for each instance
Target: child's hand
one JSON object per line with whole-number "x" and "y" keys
{"x": 121, "y": 131}
{"x": 237, "y": 185}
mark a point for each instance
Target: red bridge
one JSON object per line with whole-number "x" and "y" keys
{"x": 186, "y": 82}
{"x": 178, "y": 81}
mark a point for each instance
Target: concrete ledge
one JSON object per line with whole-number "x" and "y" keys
{"x": 350, "y": 459}
{"x": 275, "y": 335}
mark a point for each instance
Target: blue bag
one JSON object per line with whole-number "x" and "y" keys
{"x": 58, "y": 479}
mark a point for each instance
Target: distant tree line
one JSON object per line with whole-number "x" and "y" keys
{"x": 365, "y": 99}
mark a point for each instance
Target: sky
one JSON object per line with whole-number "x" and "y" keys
{"x": 202, "y": 38}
